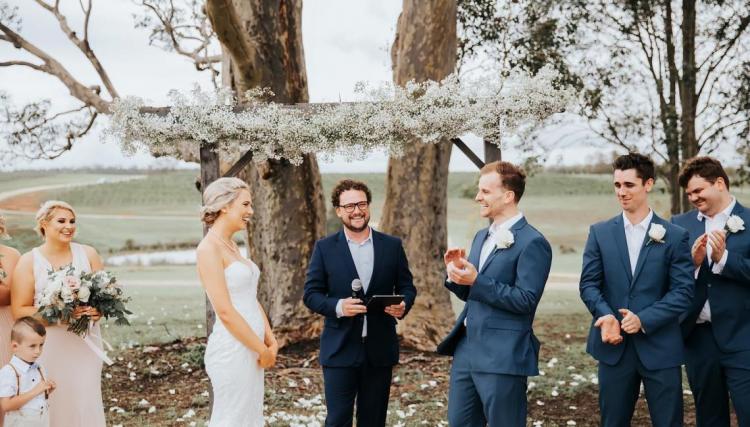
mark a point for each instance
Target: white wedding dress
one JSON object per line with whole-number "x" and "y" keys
{"x": 236, "y": 378}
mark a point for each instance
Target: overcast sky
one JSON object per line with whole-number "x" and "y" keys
{"x": 345, "y": 41}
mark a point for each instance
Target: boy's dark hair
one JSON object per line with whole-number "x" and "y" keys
{"x": 512, "y": 177}
{"x": 18, "y": 332}
{"x": 346, "y": 185}
{"x": 705, "y": 167}
{"x": 644, "y": 167}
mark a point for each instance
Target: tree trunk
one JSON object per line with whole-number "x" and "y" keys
{"x": 416, "y": 206}
{"x": 262, "y": 43}
{"x": 688, "y": 88}
{"x": 670, "y": 121}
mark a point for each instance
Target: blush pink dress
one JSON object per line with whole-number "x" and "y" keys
{"x": 70, "y": 362}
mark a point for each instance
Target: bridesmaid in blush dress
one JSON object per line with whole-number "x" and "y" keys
{"x": 8, "y": 260}
{"x": 71, "y": 361}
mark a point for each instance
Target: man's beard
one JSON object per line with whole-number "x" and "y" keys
{"x": 357, "y": 229}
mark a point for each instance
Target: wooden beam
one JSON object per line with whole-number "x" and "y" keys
{"x": 492, "y": 152}
{"x": 210, "y": 172}
{"x": 239, "y": 165}
{"x": 467, "y": 151}
{"x": 303, "y": 106}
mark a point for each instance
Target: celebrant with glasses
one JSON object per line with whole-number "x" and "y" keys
{"x": 359, "y": 279}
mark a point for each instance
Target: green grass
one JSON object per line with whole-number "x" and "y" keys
{"x": 160, "y": 314}
{"x": 162, "y": 193}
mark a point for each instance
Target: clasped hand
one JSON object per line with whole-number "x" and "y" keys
{"x": 610, "y": 327}
{"x": 85, "y": 310}
{"x": 267, "y": 358}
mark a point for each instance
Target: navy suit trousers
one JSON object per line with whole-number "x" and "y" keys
{"x": 368, "y": 385}
{"x": 479, "y": 399}
{"x": 714, "y": 376}
{"x": 619, "y": 387}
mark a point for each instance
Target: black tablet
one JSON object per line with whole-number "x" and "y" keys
{"x": 380, "y": 302}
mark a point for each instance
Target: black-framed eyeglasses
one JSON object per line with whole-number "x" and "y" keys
{"x": 350, "y": 207}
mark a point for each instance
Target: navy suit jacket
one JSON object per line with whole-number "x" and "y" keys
{"x": 329, "y": 279}
{"x": 660, "y": 290}
{"x": 501, "y": 304}
{"x": 728, "y": 292}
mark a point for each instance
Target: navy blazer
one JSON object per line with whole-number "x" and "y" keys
{"x": 660, "y": 290}
{"x": 329, "y": 279}
{"x": 728, "y": 292}
{"x": 501, "y": 304}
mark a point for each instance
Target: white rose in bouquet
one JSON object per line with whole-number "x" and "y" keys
{"x": 84, "y": 293}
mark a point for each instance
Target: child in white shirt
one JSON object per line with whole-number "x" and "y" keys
{"x": 24, "y": 389}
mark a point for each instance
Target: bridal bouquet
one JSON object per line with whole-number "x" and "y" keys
{"x": 67, "y": 289}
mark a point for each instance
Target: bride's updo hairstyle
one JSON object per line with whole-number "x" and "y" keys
{"x": 44, "y": 214}
{"x": 3, "y": 231}
{"x": 218, "y": 195}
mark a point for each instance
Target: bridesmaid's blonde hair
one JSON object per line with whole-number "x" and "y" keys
{"x": 218, "y": 195}
{"x": 3, "y": 230}
{"x": 44, "y": 214}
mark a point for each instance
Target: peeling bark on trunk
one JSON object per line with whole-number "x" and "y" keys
{"x": 416, "y": 206}
{"x": 262, "y": 45}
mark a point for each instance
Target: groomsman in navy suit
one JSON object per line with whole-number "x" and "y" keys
{"x": 717, "y": 326}
{"x": 492, "y": 343}
{"x": 358, "y": 348}
{"x": 637, "y": 277}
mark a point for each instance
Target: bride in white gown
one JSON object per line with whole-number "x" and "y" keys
{"x": 242, "y": 343}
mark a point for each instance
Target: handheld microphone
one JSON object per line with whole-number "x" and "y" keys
{"x": 357, "y": 289}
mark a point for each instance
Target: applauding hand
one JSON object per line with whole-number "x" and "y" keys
{"x": 718, "y": 241}
{"x": 698, "y": 251}
{"x": 610, "y": 329}
{"x": 462, "y": 272}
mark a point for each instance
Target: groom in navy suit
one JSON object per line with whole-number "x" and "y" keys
{"x": 493, "y": 346}
{"x": 637, "y": 278}
{"x": 717, "y": 326}
{"x": 358, "y": 348}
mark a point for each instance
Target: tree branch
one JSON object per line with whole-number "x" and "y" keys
{"x": 53, "y": 67}
{"x": 24, "y": 64}
{"x": 82, "y": 44}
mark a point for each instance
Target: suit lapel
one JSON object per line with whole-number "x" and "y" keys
{"x": 618, "y": 231}
{"x": 495, "y": 252}
{"x": 346, "y": 255}
{"x": 377, "y": 243}
{"x": 476, "y": 248}
{"x": 645, "y": 248}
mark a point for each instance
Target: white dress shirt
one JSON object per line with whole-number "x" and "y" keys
{"x": 489, "y": 243}
{"x": 29, "y": 376}
{"x": 718, "y": 222}
{"x": 635, "y": 234}
{"x": 363, "y": 255}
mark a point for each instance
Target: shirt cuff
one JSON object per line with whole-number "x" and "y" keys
{"x": 339, "y": 308}
{"x": 697, "y": 270}
{"x": 719, "y": 266}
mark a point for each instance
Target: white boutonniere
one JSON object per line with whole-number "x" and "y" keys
{"x": 656, "y": 233}
{"x": 735, "y": 224}
{"x": 504, "y": 239}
